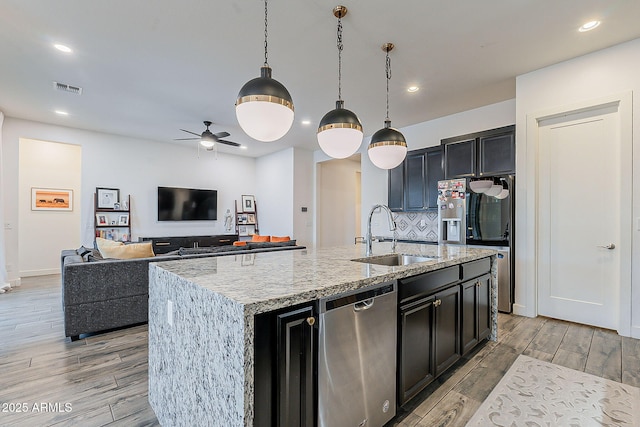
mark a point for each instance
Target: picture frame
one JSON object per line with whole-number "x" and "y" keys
{"x": 106, "y": 198}
{"x": 248, "y": 203}
{"x": 123, "y": 220}
{"x": 251, "y": 219}
{"x": 242, "y": 230}
{"x": 51, "y": 199}
{"x": 101, "y": 219}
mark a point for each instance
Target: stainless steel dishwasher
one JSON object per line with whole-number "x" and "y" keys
{"x": 357, "y": 358}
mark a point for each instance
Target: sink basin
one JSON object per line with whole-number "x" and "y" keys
{"x": 394, "y": 259}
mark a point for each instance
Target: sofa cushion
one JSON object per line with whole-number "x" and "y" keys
{"x": 131, "y": 251}
{"x": 280, "y": 239}
{"x": 258, "y": 238}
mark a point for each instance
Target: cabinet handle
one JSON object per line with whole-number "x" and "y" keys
{"x": 311, "y": 320}
{"x": 162, "y": 243}
{"x": 437, "y": 303}
{"x": 224, "y": 240}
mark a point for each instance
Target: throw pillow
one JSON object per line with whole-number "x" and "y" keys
{"x": 103, "y": 244}
{"x": 280, "y": 239}
{"x": 134, "y": 250}
{"x": 258, "y": 238}
{"x": 240, "y": 243}
{"x": 82, "y": 251}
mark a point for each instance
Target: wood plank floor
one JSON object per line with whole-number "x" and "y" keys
{"x": 102, "y": 379}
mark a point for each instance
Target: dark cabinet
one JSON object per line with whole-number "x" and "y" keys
{"x": 413, "y": 186}
{"x": 486, "y": 153}
{"x": 285, "y": 357}
{"x": 162, "y": 245}
{"x": 446, "y": 335}
{"x": 416, "y": 369}
{"x": 476, "y": 314}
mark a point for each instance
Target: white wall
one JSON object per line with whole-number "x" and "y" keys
{"x": 136, "y": 167}
{"x": 43, "y": 234}
{"x": 274, "y": 193}
{"x": 4, "y": 278}
{"x": 337, "y": 200}
{"x": 608, "y": 72}
{"x": 303, "y": 196}
{"x": 428, "y": 134}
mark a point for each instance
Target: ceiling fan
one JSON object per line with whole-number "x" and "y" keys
{"x": 208, "y": 139}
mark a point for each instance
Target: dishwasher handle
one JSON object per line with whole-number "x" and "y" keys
{"x": 363, "y": 305}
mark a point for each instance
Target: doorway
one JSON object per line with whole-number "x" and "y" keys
{"x": 584, "y": 216}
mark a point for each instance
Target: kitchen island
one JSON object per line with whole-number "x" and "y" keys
{"x": 202, "y": 311}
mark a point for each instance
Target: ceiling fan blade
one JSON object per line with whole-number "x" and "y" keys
{"x": 188, "y": 131}
{"x": 233, "y": 144}
{"x": 185, "y": 139}
{"x": 221, "y": 134}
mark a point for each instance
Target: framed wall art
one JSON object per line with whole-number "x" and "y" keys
{"x": 106, "y": 198}
{"x": 248, "y": 203}
{"x": 51, "y": 199}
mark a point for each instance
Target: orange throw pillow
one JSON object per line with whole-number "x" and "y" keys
{"x": 243, "y": 243}
{"x": 258, "y": 238}
{"x": 280, "y": 239}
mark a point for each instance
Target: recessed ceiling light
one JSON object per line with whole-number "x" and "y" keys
{"x": 589, "y": 26}
{"x": 63, "y": 48}
{"x": 306, "y": 122}
{"x": 243, "y": 147}
{"x": 413, "y": 89}
{"x": 61, "y": 113}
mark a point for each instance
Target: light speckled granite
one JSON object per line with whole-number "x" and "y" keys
{"x": 201, "y": 368}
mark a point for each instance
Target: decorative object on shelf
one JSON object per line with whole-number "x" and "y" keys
{"x": 123, "y": 219}
{"x": 388, "y": 147}
{"x": 251, "y": 219}
{"x": 49, "y": 199}
{"x": 248, "y": 204}
{"x": 340, "y": 131}
{"x": 101, "y": 219}
{"x": 242, "y": 230}
{"x": 116, "y": 206}
{"x": 264, "y": 107}
{"x": 228, "y": 220}
{"x": 107, "y": 198}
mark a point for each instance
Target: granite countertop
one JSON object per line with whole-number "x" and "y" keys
{"x": 267, "y": 281}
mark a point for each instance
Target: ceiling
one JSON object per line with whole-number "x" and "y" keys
{"x": 149, "y": 68}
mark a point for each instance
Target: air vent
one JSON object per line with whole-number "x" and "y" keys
{"x": 67, "y": 88}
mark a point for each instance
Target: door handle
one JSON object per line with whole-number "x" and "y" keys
{"x": 363, "y": 305}
{"x": 609, "y": 246}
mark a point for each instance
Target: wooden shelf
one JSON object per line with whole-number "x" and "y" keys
{"x": 112, "y": 215}
{"x": 253, "y": 225}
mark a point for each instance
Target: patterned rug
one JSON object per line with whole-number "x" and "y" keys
{"x": 536, "y": 393}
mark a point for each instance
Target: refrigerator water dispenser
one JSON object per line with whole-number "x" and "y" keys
{"x": 451, "y": 230}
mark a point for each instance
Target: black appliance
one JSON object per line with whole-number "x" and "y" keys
{"x": 490, "y": 219}
{"x": 187, "y": 204}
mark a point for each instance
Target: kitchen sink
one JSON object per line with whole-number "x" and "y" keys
{"x": 394, "y": 259}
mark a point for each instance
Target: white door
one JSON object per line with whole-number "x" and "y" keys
{"x": 582, "y": 194}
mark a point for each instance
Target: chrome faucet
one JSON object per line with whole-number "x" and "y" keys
{"x": 392, "y": 227}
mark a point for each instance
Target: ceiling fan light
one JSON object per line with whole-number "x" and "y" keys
{"x": 264, "y": 108}
{"x": 388, "y": 147}
{"x": 207, "y": 143}
{"x": 340, "y": 132}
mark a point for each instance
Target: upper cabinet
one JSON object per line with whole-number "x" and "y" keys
{"x": 487, "y": 153}
{"x": 413, "y": 186}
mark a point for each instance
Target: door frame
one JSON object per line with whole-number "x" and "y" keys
{"x": 624, "y": 103}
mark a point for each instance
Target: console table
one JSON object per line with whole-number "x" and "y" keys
{"x": 162, "y": 245}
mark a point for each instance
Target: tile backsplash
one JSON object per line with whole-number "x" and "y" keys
{"x": 417, "y": 225}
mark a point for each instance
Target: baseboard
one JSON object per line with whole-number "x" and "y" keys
{"x": 46, "y": 272}
{"x": 15, "y": 282}
{"x": 520, "y": 310}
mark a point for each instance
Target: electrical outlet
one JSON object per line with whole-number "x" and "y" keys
{"x": 170, "y": 312}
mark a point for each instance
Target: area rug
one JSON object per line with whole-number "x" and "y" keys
{"x": 536, "y": 393}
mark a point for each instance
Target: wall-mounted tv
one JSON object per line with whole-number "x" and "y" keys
{"x": 187, "y": 204}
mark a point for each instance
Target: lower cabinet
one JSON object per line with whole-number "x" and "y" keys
{"x": 285, "y": 368}
{"x": 476, "y": 311}
{"x": 446, "y": 335}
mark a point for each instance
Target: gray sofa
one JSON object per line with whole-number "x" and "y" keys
{"x": 99, "y": 295}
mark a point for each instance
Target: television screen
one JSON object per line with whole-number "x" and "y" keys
{"x": 187, "y": 204}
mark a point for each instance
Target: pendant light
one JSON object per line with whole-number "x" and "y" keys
{"x": 264, "y": 107}
{"x": 387, "y": 148}
{"x": 340, "y": 131}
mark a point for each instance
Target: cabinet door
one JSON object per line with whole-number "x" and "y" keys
{"x": 415, "y": 179}
{"x": 396, "y": 188}
{"x": 415, "y": 360}
{"x": 446, "y": 328}
{"x": 497, "y": 154}
{"x": 460, "y": 159}
{"x": 469, "y": 314}
{"x": 295, "y": 382}
{"x": 435, "y": 173}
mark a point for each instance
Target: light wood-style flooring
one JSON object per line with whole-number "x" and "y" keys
{"x": 104, "y": 377}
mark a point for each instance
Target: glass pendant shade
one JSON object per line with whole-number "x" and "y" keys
{"x": 494, "y": 190}
{"x": 264, "y": 108}
{"x": 480, "y": 186}
{"x": 340, "y": 132}
{"x": 387, "y": 148}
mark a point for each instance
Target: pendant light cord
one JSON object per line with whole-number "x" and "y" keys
{"x": 340, "y": 47}
{"x": 388, "y": 70}
{"x": 266, "y": 24}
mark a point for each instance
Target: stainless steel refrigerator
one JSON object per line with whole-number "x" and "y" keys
{"x": 479, "y": 213}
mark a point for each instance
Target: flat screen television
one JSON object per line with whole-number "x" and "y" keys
{"x": 187, "y": 204}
